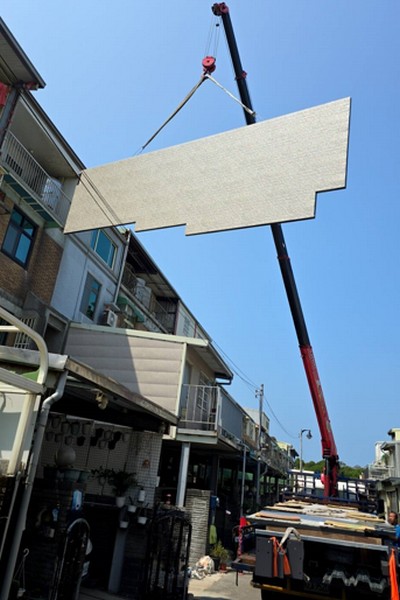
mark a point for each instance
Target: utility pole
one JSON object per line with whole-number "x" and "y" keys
{"x": 260, "y": 395}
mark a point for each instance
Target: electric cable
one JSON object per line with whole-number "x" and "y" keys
{"x": 278, "y": 421}
{"x": 253, "y": 387}
{"x": 236, "y": 369}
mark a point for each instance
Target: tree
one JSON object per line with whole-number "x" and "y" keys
{"x": 344, "y": 471}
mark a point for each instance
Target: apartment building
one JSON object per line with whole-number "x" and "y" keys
{"x": 100, "y": 360}
{"x": 50, "y": 400}
{"x": 385, "y": 469}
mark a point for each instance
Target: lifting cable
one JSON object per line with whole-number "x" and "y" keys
{"x": 179, "y": 107}
{"x": 246, "y": 108}
{"x": 93, "y": 190}
{"x": 213, "y": 36}
{"x": 209, "y": 67}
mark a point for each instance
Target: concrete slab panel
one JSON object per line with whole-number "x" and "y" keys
{"x": 259, "y": 174}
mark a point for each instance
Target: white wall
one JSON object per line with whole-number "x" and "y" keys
{"x": 78, "y": 260}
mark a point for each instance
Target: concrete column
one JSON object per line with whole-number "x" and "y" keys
{"x": 183, "y": 473}
{"x": 214, "y": 474}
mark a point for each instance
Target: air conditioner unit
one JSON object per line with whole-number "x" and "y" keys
{"x": 110, "y": 318}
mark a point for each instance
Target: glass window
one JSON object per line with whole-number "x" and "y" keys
{"x": 103, "y": 246}
{"x": 18, "y": 241}
{"x": 90, "y": 296}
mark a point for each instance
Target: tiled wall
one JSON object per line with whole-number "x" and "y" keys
{"x": 105, "y": 445}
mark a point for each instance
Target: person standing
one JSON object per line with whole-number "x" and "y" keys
{"x": 393, "y": 519}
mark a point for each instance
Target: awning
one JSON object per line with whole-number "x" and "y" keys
{"x": 123, "y": 301}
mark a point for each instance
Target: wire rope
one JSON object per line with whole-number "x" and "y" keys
{"x": 246, "y": 108}
{"x": 209, "y": 37}
{"x": 179, "y": 107}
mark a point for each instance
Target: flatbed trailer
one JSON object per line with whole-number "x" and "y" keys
{"x": 305, "y": 550}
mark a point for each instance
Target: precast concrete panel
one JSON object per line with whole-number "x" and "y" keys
{"x": 264, "y": 173}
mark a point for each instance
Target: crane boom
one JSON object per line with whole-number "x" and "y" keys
{"x": 329, "y": 452}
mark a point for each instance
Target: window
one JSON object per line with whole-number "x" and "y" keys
{"x": 18, "y": 241}
{"x": 103, "y": 246}
{"x": 90, "y": 296}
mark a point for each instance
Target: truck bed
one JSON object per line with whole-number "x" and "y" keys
{"x": 319, "y": 551}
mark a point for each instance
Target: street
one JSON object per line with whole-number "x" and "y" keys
{"x": 223, "y": 586}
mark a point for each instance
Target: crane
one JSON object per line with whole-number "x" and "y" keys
{"x": 329, "y": 452}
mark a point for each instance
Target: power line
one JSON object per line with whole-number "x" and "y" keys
{"x": 236, "y": 369}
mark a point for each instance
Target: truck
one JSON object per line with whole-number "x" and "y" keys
{"x": 308, "y": 549}
{"x": 324, "y": 539}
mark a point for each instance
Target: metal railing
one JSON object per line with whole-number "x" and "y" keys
{"x": 276, "y": 458}
{"x": 147, "y": 300}
{"x": 200, "y": 407}
{"x": 358, "y": 492}
{"x": 27, "y": 171}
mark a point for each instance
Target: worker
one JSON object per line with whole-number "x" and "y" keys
{"x": 393, "y": 520}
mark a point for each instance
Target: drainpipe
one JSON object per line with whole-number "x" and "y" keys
{"x": 121, "y": 271}
{"x": 30, "y": 478}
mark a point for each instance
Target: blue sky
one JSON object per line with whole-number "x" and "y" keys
{"x": 115, "y": 72}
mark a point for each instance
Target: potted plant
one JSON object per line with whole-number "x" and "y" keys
{"x": 220, "y": 556}
{"x": 131, "y": 506}
{"x": 141, "y": 515}
{"x": 120, "y": 481}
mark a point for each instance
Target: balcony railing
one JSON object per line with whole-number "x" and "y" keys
{"x": 147, "y": 300}
{"x": 276, "y": 458}
{"x": 200, "y": 407}
{"x": 380, "y": 471}
{"x": 26, "y": 171}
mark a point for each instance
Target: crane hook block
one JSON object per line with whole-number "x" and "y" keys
{"x": 208, "y": 63}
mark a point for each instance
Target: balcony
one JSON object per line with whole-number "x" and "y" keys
{"x": 277, "y": 459}
{"x": 200, "y": 407}
{"x": 32, "y": 183}
{"x": 380, "y": 471}
{"x": 154, "y": 312}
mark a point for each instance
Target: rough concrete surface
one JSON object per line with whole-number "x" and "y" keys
{"x": 223, "y": 586}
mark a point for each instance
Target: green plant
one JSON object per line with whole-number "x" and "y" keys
{"x": 120, "y": 480}
{"x": 219, "y": 551}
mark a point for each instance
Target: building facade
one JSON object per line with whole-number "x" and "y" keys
{"x": 103, "y": 369}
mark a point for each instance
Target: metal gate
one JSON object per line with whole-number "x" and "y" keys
{"x": 167, "y": 556}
